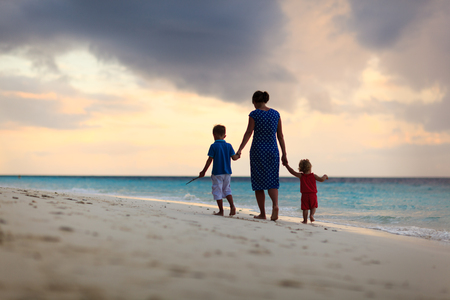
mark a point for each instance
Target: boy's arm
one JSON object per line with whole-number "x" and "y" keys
{"x": 296, "y": 174}
{"x": 207, "y": 164}
{"x": 321, "y": 179}
{"x": 236, "y": 155}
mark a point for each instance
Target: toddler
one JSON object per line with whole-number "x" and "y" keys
{"x": 307, "y": 188}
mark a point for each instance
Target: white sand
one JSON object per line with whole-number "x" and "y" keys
{"x": 53, "y": 247}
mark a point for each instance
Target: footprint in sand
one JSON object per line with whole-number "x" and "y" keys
{"x": 290, "y": 283}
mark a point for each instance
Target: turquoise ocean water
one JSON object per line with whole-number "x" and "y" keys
{"x": 417, "y": 207}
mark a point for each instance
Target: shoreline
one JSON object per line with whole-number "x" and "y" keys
{"x": 351, "y": 227}
{"x": 297, "y": 220}
{"x": 425, "y": 225}
{"x": 401, "y": 222}
{"x": 72, "y": 246}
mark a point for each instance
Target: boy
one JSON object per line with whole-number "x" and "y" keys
{"x": 307, "y": 188}
{"x": 220, "y": 153}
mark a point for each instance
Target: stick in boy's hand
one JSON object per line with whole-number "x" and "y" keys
{"x": 193, "y": 179}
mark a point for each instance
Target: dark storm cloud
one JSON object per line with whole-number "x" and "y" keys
{"x": 380, "y": 24}
{"x": 217, "y": 48}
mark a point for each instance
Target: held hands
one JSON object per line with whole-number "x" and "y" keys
{"x": 325, "y": 177}
{"x": 236, "y": 156}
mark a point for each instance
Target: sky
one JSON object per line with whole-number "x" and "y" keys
{"x": 108, "y": 87}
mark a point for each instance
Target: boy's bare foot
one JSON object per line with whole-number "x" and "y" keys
{"x": 220, "y": 213}
{"x": 274, "y": 216}
{"x": 305, "y": 221}
{"x": 312, "y": 218}
{"x": 261, "y": 216}
{"x": 232, "y": 211}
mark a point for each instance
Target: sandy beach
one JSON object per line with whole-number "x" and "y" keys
{"x": 68, "y": 246}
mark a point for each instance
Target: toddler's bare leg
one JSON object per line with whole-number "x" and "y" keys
{"x": 305, "y": 216}
{"x": 220, "y": 205}
{"x": 311, "y": 216}
{"x": 232, "y": 207}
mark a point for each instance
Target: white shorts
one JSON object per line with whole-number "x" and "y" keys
{"x": 221, "y": 186}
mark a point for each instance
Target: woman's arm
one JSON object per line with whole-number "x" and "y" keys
{"x": 280, "y": 137}
{"x": 248, "y": 133}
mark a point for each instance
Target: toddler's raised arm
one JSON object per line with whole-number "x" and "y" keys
{"x": 321, "y": 179}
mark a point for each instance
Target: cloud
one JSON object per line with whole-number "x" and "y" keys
{"x": 17, "y": 111}
{"x": 219, "y": 48}
{"x": 381, "y": 24}
{"x": 411, "y": 41}
{"x": 411, "y": 38}
{"x": 296, "y": 50}
{"x": 28, "y": 101}
{"x": 421, "y": 160}
{"x": 434, "y": 116}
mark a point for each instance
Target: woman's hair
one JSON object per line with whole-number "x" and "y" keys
{"x": 304, "y": 165}
{"x": 259, "y": 96}
{"x": 219, "y": 130}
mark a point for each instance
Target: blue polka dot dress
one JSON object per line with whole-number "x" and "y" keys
{"x": 264, "y": 155}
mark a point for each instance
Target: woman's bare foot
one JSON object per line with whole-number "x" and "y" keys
{"x": 305, "y": 222}
{"x": 232, "y": 211}
{"x": 274, "y": 216}
{"x": 312, "y": 218}
{"x": 220, "y": 213}
{"x": 261, "y": 216}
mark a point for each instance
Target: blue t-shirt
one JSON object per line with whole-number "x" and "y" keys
{"x": 221, "y": 152}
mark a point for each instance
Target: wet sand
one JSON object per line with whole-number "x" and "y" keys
{"x": 61, "y": 246}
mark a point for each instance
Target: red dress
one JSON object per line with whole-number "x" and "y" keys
{"x": 309, "y": 191}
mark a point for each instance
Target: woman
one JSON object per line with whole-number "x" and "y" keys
{"x": 265, "y": 122}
